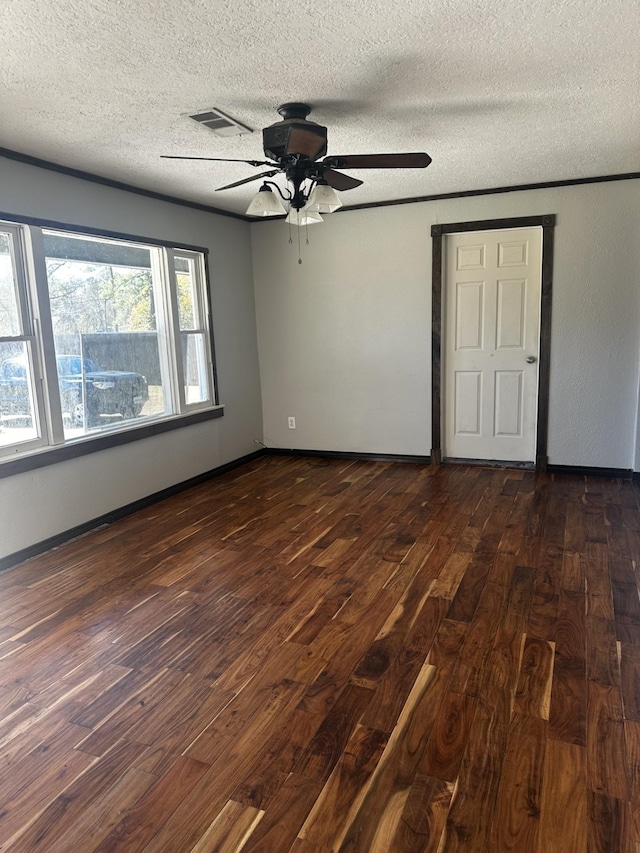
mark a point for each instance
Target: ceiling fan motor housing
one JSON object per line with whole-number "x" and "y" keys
{"x": 295, "y": 135}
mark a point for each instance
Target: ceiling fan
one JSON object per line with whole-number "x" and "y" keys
{"x": 294, "y": 146}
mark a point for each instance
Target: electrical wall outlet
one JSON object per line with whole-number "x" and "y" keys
{"x": 292, "y": 422}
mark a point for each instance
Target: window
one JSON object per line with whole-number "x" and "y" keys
{"x": 97, "y": 335}
{"x": 20, "y": 424}
{"x": 193, "y": 329}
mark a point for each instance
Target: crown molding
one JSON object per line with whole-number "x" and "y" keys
{"x": 18, "y": 156}
{"x": 9, "y": 154}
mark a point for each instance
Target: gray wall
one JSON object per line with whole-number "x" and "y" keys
{"x": 344, "y": 338}
{"x": 47, "y": 501}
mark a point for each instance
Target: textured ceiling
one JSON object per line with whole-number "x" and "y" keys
{"x": 498, "y": 92}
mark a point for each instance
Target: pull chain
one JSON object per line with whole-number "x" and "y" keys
{"x": 299, "y": 252}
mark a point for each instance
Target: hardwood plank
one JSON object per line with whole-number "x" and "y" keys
{"x": 319, "y": 758}
{"x": 276, "y": 760}
{"x": 301, "y": 845}
{"x": 550, "y": 560}
{"x": 255, "y": 714}
{"x": 606, "y": 755}
{"x": 469, "y": 672}
{"x": 563, "y": 810}
{"x": 380, "y": 810}
{"x": 141, "y": 821}
{"x": 199, "y": 709}
{"x": 571, "y": 644}
{"x": 423, "y": 818}
{"x": 632, "y": 743}
{"x": 231, "y": 828}
{"x": 533, "y": 695}
{"x": 447, "y": 644}
{"x": 628, "y": 632}
{"x": 100, "y": 819}
{"x": 517, "y": 814}
{"x": 340, "y": 798}
{"x": 467, "y": 595}
{"x": 283, "y": 819}
{"x": 392, "y": 691}
{"x": 621, "y": 569}
{"x": 64, "y": 816}
{"x": 573, "y": 574}
{"x": 107, "y": 703}
{"x": 402, "y": 619}
{"x": 630, "y": 680}
{"x": 501, "y": 571}
{"x": 473, "y": 803}
{"x": 602, "y": 653}
{"x": 543, "y": 615}
{"x": 519, "y": 597}
{"x": 568, "y": 708}
{"x": 183, "y": 828}
{"x": 599, "y": 595}
{"x": 626, "y": 603}
{"x": 396, "y": 684}
{"x": 471, "y": 814}
{"x": 133, "y": 713}
{"x": 80, "y": 688}
{"x": 424, "y": 629}
{"x": 33, "y": 785}
{"x": 609, "y": 825}
{"x": 324, "y": 609}
{"x": 451, "y": 576}
{"x": 448, "y": 739}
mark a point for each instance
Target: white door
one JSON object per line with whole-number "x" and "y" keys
{"x": 491, "y": 348}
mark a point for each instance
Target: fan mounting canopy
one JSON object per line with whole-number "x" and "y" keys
{"x": 294, "y": 109}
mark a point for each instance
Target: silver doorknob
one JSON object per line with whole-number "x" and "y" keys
{"x": 531, "y": 359}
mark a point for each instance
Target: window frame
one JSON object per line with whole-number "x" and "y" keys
{"x": 28, "y": 323}
{"x": 202, "y": 316}
{"x": 50, "y": 446}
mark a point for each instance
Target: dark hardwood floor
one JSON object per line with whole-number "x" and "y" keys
{"x": 314, "y": 656}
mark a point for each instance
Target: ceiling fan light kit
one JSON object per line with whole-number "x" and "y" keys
{"x": 266, "y": 203}
{"x": 303, "y": 217}
{"x": 324, "y": 198}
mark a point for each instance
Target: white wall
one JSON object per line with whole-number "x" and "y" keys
{"x": 47, "y": 501}
{"x": 344, "y": 339}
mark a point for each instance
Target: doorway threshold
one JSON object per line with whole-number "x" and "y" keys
{"x": 489, "y": 463}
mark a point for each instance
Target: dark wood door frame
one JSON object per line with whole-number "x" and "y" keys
{"x": 438, "y": 232}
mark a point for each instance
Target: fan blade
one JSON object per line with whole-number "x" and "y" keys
{"x": 340, "y": 181}
{"x": 220, "y": 160}
{"x": 248, "y": 180}
{"x": 379, "y": 161}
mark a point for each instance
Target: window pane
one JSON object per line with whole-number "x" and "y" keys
{"x": 103, "y": 305}
{"x": 194, "y": 359}
{"x": 9, "y": 312}
{"x": 17, "y": 422}
{"x": 187, "y": 299}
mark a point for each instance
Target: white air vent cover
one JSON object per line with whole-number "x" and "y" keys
{"x": 220, "y": 123}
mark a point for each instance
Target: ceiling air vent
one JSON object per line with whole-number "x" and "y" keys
{"x": 220, "y": 123}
